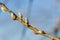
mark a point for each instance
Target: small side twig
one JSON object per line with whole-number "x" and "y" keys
{"x": 26, "y": 22}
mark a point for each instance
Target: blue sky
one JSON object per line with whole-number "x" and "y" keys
{"x": 42, "y": 14}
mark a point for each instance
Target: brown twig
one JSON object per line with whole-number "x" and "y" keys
{"x": 26, "y": 22}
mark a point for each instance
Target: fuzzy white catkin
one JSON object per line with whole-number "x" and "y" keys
{"x": 20, "y": 15}
{"x": 12, "y": 15}
{"x": 26, "y": 20}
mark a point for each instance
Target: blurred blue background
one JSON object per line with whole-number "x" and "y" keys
{"x": 42, "y": 14}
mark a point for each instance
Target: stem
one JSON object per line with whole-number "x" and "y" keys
{"x": 36, "y": 31}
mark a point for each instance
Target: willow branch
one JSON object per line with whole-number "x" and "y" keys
{"x": 26, "y": 22}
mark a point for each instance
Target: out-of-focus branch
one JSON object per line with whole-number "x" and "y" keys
{"x": 26, "y": 22}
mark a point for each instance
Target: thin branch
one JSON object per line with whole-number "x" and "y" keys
{"x": 26, "y": 22}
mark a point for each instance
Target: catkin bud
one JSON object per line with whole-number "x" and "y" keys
{"x": 26, "y": 21}
{"x": 42, "y": 32}
{"x": 20, "y": 15}
{"x": 4, "y": 8}
{"x": 13, "y": 16}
